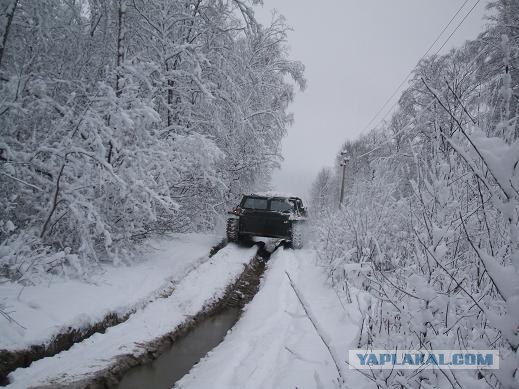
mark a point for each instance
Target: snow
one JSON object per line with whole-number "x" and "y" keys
{"x": 272, "y": 194}
{"x": 45, "y": 309}
{"x": 274, "y": 345}
{"x": 197, "y": 289}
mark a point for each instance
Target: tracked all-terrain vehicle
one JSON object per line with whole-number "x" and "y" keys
{"x": 272, "y": 216}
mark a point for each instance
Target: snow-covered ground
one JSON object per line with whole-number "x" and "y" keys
{"x": 274, "y": 344}
{"x": 196, "y": 290}
{"x": 46, "y": 309}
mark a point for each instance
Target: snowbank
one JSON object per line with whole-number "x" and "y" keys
{"x": 47, "y": 309}
{"x": 196, "y": 290}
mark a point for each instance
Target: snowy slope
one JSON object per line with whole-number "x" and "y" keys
{"x": 47, "y": 308}
{"x": 274, "y": 345}
{"x": 201, "y": 286}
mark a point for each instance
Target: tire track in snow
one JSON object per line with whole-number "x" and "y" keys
{"x": 106, "y": 356}
{"x": 22, "y": 358}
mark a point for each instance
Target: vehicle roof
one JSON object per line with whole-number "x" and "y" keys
{"x": 272, "y": 195}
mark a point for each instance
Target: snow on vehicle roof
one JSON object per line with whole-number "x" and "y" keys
{"x": 272, "y": 194}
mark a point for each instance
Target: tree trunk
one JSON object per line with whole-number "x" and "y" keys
{"x": 9, "y": 14}
{"x": 120, "y": 50}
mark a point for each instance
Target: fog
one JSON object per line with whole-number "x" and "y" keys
{"x": 356, "y": 53}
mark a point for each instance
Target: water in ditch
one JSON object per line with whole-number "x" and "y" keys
{"x": 173, "y": 364}
{"x": 187, "y": 351}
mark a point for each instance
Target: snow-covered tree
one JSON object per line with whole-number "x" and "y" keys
{"x": 432, "y": 208}
{"x": 121, "y": 118}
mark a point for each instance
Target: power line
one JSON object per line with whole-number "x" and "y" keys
{"x": 436, "y": 52}
{"x": 415, "y": 119}
{"x": 458, "y": 26}
{"x": 423, "y": 56}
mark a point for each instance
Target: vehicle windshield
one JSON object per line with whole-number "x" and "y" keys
{"x": 255, "y": 203}
{"x": 281, "y": 205}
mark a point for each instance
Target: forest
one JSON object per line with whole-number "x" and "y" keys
{"x": 125, "y": 118}
{"x": 429, "y": 222}
{"x": 123, "y": 121}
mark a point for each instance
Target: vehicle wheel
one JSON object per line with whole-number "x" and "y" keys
{"x": 297, "y": 235}
{"x": 233, "y": 230}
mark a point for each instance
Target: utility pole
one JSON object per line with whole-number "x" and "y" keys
{"x": 343, "y": 163}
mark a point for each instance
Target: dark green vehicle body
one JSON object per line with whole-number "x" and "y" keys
{"x": 266, "y": 216}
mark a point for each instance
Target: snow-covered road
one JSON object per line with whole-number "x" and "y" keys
{"x": 201, "y": 286}
{"x": 274, "y": 344}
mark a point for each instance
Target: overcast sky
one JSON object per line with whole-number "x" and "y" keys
{"x": 356, "y": 53}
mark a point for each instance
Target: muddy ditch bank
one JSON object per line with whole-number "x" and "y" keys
{"x": 11, "y": 360}
{"x": 235, "y": 297}
{"x": 187, "y": 351}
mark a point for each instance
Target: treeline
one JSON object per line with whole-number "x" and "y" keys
{"x": 429, "y": 225}
{"x": 119, "y": 118}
